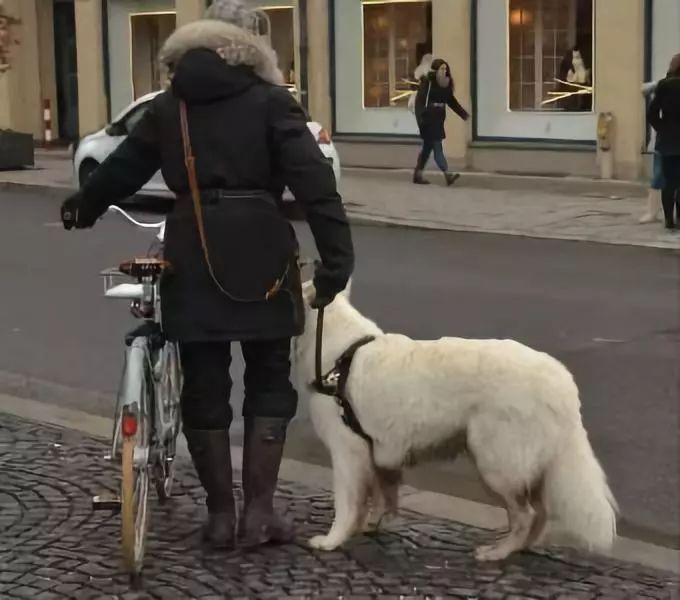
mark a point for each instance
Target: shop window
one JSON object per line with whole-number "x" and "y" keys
{"x": 148, "y": 32}
{"x": 282, "y": 36}
{"x": 550, "y": 54}
{"x": 396, "y": 36}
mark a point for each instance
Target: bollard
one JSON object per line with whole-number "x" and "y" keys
{"x": 47, "y": 121}
{"x": 605, "y": 152}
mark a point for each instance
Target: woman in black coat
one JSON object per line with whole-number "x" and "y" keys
{"x": 435, "y": 93}
{"x": 249, "y": 138}
{"x": 664, "y": 116}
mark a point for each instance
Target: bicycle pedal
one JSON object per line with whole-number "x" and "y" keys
{"x": 111, "y": 503}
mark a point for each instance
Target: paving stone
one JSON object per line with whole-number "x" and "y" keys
{"x": 60, "y": 548}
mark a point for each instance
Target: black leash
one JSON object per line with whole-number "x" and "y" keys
{"x": 333, "y": 383}
{"x": 324, "y": 384}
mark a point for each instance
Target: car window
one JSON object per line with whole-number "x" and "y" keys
{"x": 131, "y": 119}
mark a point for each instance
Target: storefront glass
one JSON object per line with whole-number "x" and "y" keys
{"x": 282, "y": 23}
{"x": 550, "y": 55}
{"x": 148, "y": 32}
{"x": 396, "y": 35}
{"x": 539, "y": 85}
{"x": 378, "y": 45}
{"x": 137, "y": 30}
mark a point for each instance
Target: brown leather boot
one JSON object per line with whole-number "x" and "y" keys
{"x": 262, "y": 452}
{"x": 211, "y": 454}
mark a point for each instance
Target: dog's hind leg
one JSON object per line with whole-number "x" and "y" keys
{"x": 521, "y": 516}
{"x": 384, "y": 497}
{"x": 539, "y": 526}
{"x": 352, "y": 472}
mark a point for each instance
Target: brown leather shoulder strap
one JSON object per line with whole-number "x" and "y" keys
{"x": 190, "y": 164}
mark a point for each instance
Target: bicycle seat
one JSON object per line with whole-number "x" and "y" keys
{"x": 144, "y": 267}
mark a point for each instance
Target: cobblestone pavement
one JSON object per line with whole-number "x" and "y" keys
{"x": 52, "y": 545}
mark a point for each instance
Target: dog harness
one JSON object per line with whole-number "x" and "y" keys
{"x": 334, "y": 383}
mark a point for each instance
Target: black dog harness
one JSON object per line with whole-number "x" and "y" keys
{"x": 334, "y": 383}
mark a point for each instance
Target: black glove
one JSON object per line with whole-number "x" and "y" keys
{"x": 320, "y": 301}
{"x": 327, "y": 287}
{"x": 76, "y": 212}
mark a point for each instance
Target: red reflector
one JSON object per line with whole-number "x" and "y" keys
{"x": 129, "y": 425}
{"x": 324, "y": 137}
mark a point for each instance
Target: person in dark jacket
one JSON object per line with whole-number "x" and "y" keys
{"x": 664, "y": 116}
{"x": 249, "y": 138}
{"x": 435, "y": 93}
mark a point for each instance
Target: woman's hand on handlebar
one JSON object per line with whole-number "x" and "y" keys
{"x": 75, "y": 212}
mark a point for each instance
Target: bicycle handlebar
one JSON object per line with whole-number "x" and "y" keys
{"x": 131, "y": 219}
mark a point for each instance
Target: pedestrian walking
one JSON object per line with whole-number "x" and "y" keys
{"x": 657, "y": 183}
{"x": 435, "y": 93}
{"x": 227, "y": 137}
{"x": 664, "y": 116}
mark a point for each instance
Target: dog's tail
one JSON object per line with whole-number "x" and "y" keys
{"x": 576, "y": 494}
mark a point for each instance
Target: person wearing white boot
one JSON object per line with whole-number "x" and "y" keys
{"x": 664, "y": 116}
{"x": 653, "y": 212}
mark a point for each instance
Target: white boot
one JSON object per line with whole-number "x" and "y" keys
{"x": 653, "y": 207}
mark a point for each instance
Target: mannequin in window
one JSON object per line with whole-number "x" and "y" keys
{"x": 573, "y": 69}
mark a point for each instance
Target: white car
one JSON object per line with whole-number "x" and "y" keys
{"x": 90, "y": 151}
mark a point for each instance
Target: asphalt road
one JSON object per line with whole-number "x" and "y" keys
{"x": 612, "y": 314}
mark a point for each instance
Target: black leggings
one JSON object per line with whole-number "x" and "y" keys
{"x": 670, "y": 195}
{"x": 207, "y": 383}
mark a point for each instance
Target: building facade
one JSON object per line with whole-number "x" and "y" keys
{"x": 535, "y": 74}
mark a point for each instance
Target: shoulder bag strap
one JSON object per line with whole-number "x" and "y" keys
{"x": 190, "y": 164}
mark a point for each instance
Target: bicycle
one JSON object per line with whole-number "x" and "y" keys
{"x": 147, "y": 414}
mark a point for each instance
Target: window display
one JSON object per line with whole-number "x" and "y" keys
{"x": 550, "y": 55}
{"x": 396, "y": 37}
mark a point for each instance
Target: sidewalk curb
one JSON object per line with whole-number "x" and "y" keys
{"x": 423, "y": 502}
{"x": 569, "y": 185}
{"x": 56, "y": 191}
{"x": 360, "y": 218}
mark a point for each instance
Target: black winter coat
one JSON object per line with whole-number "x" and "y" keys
{"x": 431, "y": 103}
{"x": 664, "y": 116}
{"x": 247, "y": 134}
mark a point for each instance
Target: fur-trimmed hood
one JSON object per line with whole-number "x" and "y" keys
{"x": 236, "y": 46}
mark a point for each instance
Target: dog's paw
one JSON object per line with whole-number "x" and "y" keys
{"x": 490, "y": 553}
{"x": 322, "y": 542}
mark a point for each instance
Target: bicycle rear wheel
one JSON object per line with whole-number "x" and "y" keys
{"x": 135, "y": 438}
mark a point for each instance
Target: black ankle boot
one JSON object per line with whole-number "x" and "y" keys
{"x": 211, "y": 454}
{"x": 262, "y": 452}
{"x": 451, "y": 178}
{"x": 418, "y": 178}
{"x": 668, "y": 202}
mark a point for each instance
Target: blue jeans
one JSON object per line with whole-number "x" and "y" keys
{"x": 657, "y": 182}
{"x": 439, "y": 157}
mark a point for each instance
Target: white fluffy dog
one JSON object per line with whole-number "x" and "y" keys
{"x": 514, "y": 410}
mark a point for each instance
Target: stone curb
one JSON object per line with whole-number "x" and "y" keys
{"x": 574, "y": 186}
{"x": 361, "y": 218}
